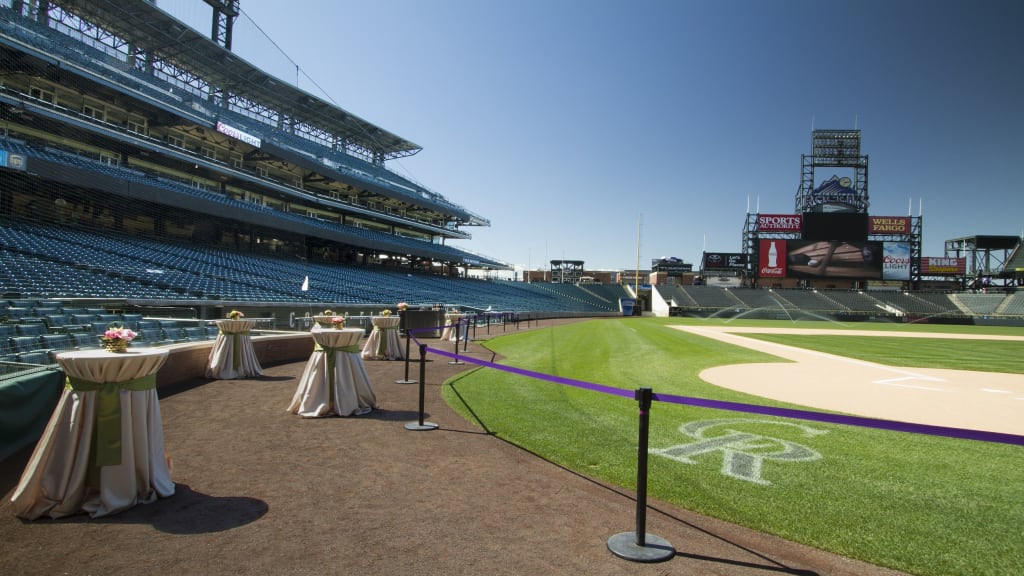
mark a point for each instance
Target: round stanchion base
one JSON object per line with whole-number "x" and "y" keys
{"x": 416, "y": 426}
{"x": 407, "y": 381}
{"x": 655, "y": 549}
{"x": 456, "y": 362}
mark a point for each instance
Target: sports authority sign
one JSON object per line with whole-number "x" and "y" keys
{"x": 779, "y": 222}
{"x": 889, "y": 225}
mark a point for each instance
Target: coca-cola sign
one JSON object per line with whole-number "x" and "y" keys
{"x": 779, "y": 222}
{"x": 772, "y": 259}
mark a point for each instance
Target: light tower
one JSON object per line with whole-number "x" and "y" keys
{"x": 834, "y": 149}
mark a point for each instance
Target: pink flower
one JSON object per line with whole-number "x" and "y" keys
{"x": 125, "y": 334}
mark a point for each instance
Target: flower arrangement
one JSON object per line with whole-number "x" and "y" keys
{"x": 236, "y": 315}
{"x": 117, "y": 337}
{"x": 402, "y": 306}
{"x": 385, "y": 312}
{"x": 338, "y": 322}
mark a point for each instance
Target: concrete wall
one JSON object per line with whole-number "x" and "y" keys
{"x": 188, "y": 361}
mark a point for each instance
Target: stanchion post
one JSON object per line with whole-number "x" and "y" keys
{"x": 421, "y": 425}
{"x": 408, "y": 337}
{"x": 639, "y": 546}
{"x": 455, "y": 361}
{"x": 465, "y": 340}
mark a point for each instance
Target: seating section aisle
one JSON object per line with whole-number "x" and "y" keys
{"x": 1014, "y": 305}
{"x": 34, "y": 331}
{"x": 843, "y": 302}
{"x": 70, "y": 263}
{"x": 983, "y": 304}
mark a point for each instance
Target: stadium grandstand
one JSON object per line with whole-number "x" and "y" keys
{"x": 147, "y": 171}
{"x": 150, "y": 176}
{"x": 832, "y": 259}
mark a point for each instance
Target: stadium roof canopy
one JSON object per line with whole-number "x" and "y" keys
{"x": 987, "y": 242}
{"x": 145, "y": 26}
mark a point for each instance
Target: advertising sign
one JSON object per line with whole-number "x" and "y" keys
{"x": 772, "y": 259}
{"x": 724, "y": 260}
{"x": 889, "y": 225}
{"x": 724, "y": 281}
{"x": 935, "y": 266}
{"x": 671, "y": 265}
{"x": 779, "y": 222}
{"x": 238, "y": 134}
{"x": 834, "y": 259}
{"x": 12, "y": 160}
{"x": 896, "y": 261}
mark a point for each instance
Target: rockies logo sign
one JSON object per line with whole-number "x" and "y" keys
{"x": 742, "y": 453}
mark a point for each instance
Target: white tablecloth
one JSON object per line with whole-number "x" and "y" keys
{"x": 232, "y": 355}
{"x": 334, "y": 380}
{"x": 454, "y": 327}
{"x": 71, "y": 470}
{"x": 384, "y": 342}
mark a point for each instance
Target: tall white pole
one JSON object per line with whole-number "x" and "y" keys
{"x": 636, "y": 285}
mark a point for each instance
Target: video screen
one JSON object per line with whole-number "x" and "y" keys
{"x": 835, "y": 226}
{"x": 834, "y": 259}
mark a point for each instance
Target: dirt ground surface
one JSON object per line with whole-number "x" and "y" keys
{"x": 988, "y": 401}
{"x": 260, "y": 491}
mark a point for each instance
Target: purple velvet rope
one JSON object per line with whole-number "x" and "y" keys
{"x": 863, "y": 422}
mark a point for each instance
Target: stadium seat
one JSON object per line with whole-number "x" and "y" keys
{"x": 56, "y": 342}
{"x": 34, "y": 329}
{"x": 84, "y": 340}
{"x": 40, "y": 358}
{"x": 55, "y": 322}
{"x": 23, "y": 344}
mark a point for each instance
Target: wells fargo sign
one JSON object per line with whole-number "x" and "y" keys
{"x": 889, "y": 225}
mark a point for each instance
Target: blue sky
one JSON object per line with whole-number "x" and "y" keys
{"x": 569, "y": 122}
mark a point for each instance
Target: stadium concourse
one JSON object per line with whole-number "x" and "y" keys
{"x": 262, "y": 491}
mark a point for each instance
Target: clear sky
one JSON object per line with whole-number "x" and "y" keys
{"x": 579, "y": 126}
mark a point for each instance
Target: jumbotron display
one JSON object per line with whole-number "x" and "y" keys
{"x": 834, "y": 245}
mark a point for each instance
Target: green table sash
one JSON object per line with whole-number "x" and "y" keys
{"x": 382, "y": 343}
{"x": 331, "y": 352}
{"x": 108, "y": 413}
{"x": 236, "y": 345}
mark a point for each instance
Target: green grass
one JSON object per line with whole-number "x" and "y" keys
{"x": 980, "y": 355}
{"x": 919, "y": 504}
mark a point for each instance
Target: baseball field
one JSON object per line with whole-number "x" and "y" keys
{"x": 912, "y": 501}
